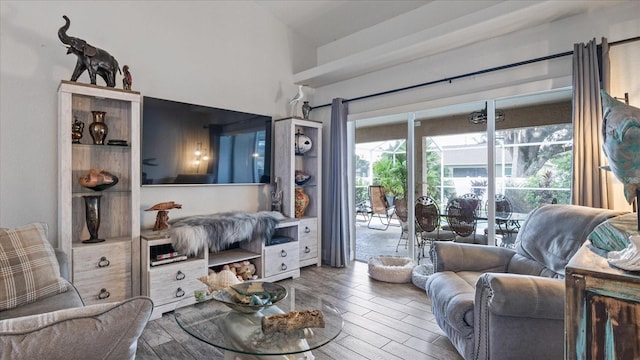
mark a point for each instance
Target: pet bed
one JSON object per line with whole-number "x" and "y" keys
{"x": 420, "y": 274}
{"x": 391, "y": 269}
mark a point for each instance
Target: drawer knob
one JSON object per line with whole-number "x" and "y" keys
{"x": 283, "y": 253}
{"x": 283, "y": 266}
{"x": 179, "y": 292}
{"x": 307, "y": 230}
{"x": 307, "y": 250}
{"x": 103, "y": 294}
{"x": 180, "y": 275}
{"x": 103, "y": 262}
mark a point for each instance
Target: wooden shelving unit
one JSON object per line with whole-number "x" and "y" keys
{"x": 110, "y": 270}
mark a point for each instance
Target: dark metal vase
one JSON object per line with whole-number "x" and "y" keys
{"x": 98, "y": 129}
{"x": 92, "y": 216}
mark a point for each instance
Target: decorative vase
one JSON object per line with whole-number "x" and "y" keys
{"x": 98, "y": 129}
{"x": 303, "y": 143}
{"x": 76, "y": 131}
{"x": 92, "y": 216}
{"x": 301, "y": 202}
{"x": 306, "y": 109}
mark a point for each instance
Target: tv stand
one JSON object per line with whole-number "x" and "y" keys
{"x": 167, "y": 284}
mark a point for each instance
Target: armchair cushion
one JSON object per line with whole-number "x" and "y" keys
{"x": 105, "y": 331}
{"x": 30, "y": 270}
{"x": 523, "y": 296}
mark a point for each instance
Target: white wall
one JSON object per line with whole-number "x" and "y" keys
{"x": 218, "y": 53}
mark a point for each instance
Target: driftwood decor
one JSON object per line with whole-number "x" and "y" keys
{"x": 293, "y": 320}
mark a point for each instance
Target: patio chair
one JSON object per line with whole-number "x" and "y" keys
{"x": 428, "y": 224}
{"x": 402, "y": 212}
{"x": 504, "y": 226}
{"x": 461, "y": 216}
{"x": 380, "y": 207}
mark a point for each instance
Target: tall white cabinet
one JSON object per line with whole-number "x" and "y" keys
{"x": 286, "y": 162}
{"x": 105, "y": 271}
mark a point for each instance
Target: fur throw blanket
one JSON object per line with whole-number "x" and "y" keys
{"x": 219, "y": 231}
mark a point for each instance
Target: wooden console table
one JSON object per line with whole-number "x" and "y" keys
{"x": 602, "y": 309}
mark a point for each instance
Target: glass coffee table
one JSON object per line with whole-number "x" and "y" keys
{"x": 240, "y": 335}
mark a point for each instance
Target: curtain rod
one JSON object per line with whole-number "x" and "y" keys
{"x": 474, "y": 73}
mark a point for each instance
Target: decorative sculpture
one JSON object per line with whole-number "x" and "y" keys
{"x": 162, "y": 218}
{"x": 92, "y": 59}
{"x": 128, "y": 79}
{"x": 621, "y": 144}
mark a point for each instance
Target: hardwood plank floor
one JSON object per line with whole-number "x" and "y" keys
{"x": 383, "y": 321}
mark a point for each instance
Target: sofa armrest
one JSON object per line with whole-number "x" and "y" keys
{"x": 521, "y": 295}
{"x": 449, "y": 256}
{"x": 63, "y": 262}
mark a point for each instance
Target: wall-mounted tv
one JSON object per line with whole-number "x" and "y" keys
{"x": 193, "y": 144}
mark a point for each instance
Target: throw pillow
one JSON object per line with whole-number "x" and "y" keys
{"x": 29, "y": 269}
{"x": 613, "y": 234}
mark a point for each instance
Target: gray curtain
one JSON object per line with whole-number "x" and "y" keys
{"x": 335, "y": 212}
{"x": 590, "y": 186}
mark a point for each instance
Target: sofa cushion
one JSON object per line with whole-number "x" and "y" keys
{"x": 105, "y": 331}
{"x": 452, "y": 295}
{"x": 66, "y": 300}
{"x": 552, "y": 234}
{"x": 28, "y": 266}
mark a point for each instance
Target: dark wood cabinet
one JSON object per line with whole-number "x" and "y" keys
{"x": 602, "y": 311}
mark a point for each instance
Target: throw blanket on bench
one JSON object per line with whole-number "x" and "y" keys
{"x": 219, "y": 231}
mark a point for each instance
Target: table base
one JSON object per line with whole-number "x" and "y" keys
{"x": 230, "y": 355}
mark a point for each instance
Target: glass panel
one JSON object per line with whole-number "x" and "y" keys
{"x": 533, "y": 165}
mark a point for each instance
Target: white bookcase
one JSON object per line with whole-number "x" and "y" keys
{"x": 106, "y": 271}
{"x": 286, "y": 162}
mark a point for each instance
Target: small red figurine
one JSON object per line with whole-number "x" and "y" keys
{"x": 128, "y": 80}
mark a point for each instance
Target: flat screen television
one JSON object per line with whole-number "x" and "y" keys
{"x": 193, "y": 144}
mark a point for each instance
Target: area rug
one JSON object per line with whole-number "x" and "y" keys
{"x": 221, "y": 230}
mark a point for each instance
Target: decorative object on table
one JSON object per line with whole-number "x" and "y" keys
{"x": 162, "y": 218}
{"x": 276, "y": 196}
{"x": 76, "y": 130}
{"x": 219, "y": 231}
{"x": 393, "y": 269}
{"x": 92, "y": 217}
{"x": 628, "y": 258}
{"x": 293, "y": 320}
{"x": 301, "y": 202}
{"x": 92, "y": 59}
{"x": 127, "y": 79}
{"x": 250, "y": 297}
{"x": 301, "y": 177}
{"x": 621, "y": 144}
{"x": 294, "y": 101}
{"x": 98, "y": 180}
{"x": 306, "y": 110}
{"x": 302, "y": 143}
{"x": 98, "y": 129}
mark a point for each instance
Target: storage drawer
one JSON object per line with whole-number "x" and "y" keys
{"x": 281, "y": 258}
{"x": 308, "y": 238}
{"x": 172, "y": 282}
{"x": 102, "y": 272}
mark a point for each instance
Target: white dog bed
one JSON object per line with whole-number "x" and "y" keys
{"x": 391, "y": 269}
{"x": 420, "y": 275}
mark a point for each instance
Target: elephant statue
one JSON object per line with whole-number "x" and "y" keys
{"x": 96, "y": 61}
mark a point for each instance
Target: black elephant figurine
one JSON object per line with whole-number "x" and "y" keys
{"x": 96, "y": 61}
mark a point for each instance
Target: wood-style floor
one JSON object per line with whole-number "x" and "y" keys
{"x": 382, "y": 321}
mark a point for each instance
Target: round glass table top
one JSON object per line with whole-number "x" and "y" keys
{"x": 216, "y": 324}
